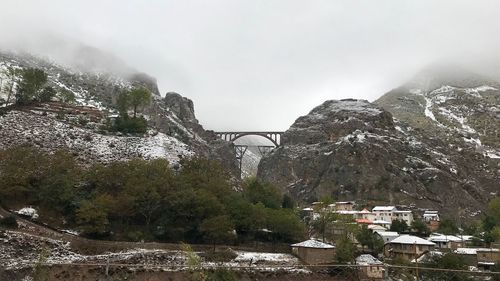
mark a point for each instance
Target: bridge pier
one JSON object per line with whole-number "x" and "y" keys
{"x": 240, "y": 150}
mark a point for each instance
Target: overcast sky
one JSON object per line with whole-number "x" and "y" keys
{"x": 259, "y": 64}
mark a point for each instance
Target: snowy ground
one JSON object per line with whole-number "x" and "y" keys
{"x": 50, "y": 133}
{"x": 20, "y": 250}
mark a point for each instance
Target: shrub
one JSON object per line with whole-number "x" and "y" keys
{"x": 137, "y": 125}
{"x": 10, "y": 222}
{"x": 222, "y": 275}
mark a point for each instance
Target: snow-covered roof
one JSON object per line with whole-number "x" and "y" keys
{"x": 444, "y": 238}
{"x": 383, "y": 208}
{"x": 367, "y": 260}
{"x": 428, "y": 256}
{"x": 466, "y": 251}
{"x": 431, "y": 215}
{"x": 345, "y": 202}
{"x": 381, "y": 222}
{"x": 311, "y": 243}
{"x": 345, "y": 212}
{"x": 410, "y": 239}
{"x": 376, "y": 227}
{"x": 387, "y": 233}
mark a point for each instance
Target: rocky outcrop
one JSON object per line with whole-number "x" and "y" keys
{"x": 174, "y": 130}
{"x": 355, "y": 150}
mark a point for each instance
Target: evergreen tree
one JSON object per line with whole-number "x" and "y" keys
{"x": 399, "y": 226}
{"x": 31, "y": 86}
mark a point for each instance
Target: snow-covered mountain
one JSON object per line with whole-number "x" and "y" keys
{"x": 460, "y": 107}
{"x": 173, "y": 131}
{"x": 356, "y": 150}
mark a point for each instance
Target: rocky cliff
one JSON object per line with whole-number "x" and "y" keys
{"x": 174, "y": 131}
{"x": 355, "y": 150}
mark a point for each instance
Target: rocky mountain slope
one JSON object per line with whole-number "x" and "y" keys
{"x": 174, "y": 131}
{"x": 459, "y": 107}
{"x": 355, "y": 150}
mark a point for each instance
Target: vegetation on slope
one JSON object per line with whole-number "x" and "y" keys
{"x": 144, "y": 200}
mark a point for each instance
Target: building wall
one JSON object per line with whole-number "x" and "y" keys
{"x": 405, "y": 251}
{"x": 371, "y": 272}
{"x": 488, "y": 256}
{"x": 314, "y": 255}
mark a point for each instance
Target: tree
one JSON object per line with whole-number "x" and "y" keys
{"x": 494, "y": 209}
{"x": 345, "y": 251}
{"x": 47, "y": 94}
{"x": 420, "y": 227}
{"x": 367, "y": 238}
{"x": 285, "y": 225}
{"x": 399, "y": 226}
{"x": 66, "y": 96}
{"x": 139, "y": 97}
{"x": 324, "y": 217}
{"x": 12, "y": 78}
{"x": 217, "y": 229}
{"x": 446, "y": 261}
{"x": 288, "y": 202}
{"x": 92, "y": 218}
{"x": 258, "y": 192}
{"x": 135, "y": 98}
{"x": 31, "y": 85}
{"x": 447, "y": 227}
{"x": 21, "y": 172}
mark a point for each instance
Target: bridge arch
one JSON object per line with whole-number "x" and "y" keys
{"x": 274, "y": 137}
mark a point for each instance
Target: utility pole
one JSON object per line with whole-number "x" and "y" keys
{"x": 416, "y": 260}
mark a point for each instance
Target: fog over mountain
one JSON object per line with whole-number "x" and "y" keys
{"x": 256, "y": 65}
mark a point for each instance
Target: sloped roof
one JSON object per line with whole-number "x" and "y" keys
{"x": 383, "y": 208}
{"x": 311, "y": 243}
{"x": 444, "y": 238}
{"x": 364, "y": 211}
{"x": 387, "y": 233}
{"x": 381, "y": 222}
{"x": 367, "y": 221}
{"x": 376, "y": 227}
{"x": 410, "y": 239}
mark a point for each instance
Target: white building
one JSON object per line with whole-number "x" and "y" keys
{"x": 431, "y": 216}
{"x": 446, "y": 241}
{"x": 387, "y": 236}
{"x": 390, "y": 213}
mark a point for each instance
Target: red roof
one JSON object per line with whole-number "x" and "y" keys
{"x": 364, "y": 221}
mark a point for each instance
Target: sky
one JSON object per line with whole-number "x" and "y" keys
{"x": 260, "y": 64}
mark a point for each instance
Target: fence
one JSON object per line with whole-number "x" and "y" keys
{"x": 290, "y": 272}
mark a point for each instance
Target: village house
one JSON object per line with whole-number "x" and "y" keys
{"x": 390, "y": 213}
{"x": 366, "y": 215}
{"x": 370, "y": 268}
{"x": 383, "y": 213}
{"x": 487, "y": 257}
{"x": 450, "y": 242}
{"x": 314, "y": 252}
{"x": 431, "y": 218}
{"x": 344, "y": 206}
{"x": 480, "y": 257}
{"x": 387, "y": 236}
{"x": 407, "y": 247}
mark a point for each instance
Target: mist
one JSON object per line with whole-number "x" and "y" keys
{"x": 258, "y": 65}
